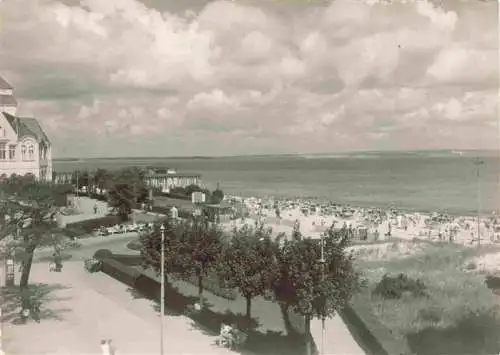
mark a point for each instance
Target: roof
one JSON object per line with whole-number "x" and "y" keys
{"x": 4, "y": 85}
{"x": 7, "y": 100}
{"x": 173, "y": 175}
{"x": 27, "y": 126}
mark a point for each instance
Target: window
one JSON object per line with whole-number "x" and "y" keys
{"x": 12, "y": 152}
{"x": 23, "y": 151}
{"x": 3, "y": 152}
{"x": 31, "y": 152}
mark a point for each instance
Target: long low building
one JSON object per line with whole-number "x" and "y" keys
{"x": 160, "y": 178}
{"x": 166, "y": 179}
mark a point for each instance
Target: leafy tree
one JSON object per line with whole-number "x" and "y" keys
{"x": 197, "y": 251}
{"x": 217, "y": 196}
{"x": 31, "y": 208}
{"x": 80, "y": 179}
{"x": 311, "y": 287}
{"x": 151, "y": 248}
{"x": 101, "y": 178}
{"x": 127, "y": 188}
{"x": 248, "y": 263}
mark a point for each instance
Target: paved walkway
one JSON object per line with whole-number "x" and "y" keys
{"x": 86, "y": 308}
{"x": 337, "y": 340}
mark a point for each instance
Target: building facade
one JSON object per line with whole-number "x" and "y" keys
{"x": 166, "y": 179}
{"x": 24, "y": 146}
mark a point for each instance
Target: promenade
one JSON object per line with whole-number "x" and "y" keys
{"x": 80, "y": 309}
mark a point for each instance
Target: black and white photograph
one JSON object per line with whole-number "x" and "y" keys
{"x": 249, "y": 177}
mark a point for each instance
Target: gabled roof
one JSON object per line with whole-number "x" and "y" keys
{"x": 27, "y": 126}
{"x": 4, "y": 85}
{"x": 7, "y": 100}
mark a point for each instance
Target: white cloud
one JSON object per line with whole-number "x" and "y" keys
{"x": 359, "y": 70}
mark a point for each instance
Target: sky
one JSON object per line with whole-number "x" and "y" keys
{"x": 173, "y": 78}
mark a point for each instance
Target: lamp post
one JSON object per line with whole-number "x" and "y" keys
{"x": 162, "y": 291}
{"x": 323, "y": 262}
{"x": 477, "y": 163}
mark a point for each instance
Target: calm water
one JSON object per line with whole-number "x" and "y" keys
{"x": 423, "y": 182}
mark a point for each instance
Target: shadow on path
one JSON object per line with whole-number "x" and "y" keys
{"x": 40, "y": 293}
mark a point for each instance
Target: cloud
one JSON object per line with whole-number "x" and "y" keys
{"x": 365, "y": 72}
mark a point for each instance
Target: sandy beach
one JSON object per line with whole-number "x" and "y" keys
{"x": 369, "y": 224}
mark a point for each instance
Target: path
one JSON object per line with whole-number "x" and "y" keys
{"x": 92, "y": 307}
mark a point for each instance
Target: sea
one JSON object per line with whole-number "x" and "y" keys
{"x": 423, "y": 181}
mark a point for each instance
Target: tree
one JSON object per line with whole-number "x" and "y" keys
{"x": 313, "y": 288}
{"x": 217, "y": 196}
{"x": 127, "y": 188}
{"x": 31, "y": 208}
{"x": 198, "y": 250}
{"x": 248, "y": 263}
{"x": 151, "y": 248}
{"x": 101, "y": 178}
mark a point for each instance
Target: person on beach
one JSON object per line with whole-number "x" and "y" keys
{"x": 95, "y": 208}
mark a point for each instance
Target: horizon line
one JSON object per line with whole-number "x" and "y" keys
{"x": 271, "y": 154}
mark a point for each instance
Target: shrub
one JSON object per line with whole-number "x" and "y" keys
{"x": 102, "y": 254}
{"x": 90, "y": 225}
{"x": 391, "y": 287}
{"x": 134, "y": 245}
{"x": 92, "y": 265}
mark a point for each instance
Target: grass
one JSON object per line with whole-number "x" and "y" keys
{"x": 459, "y": 315}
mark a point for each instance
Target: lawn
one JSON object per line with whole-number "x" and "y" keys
{"x": 458, "y": 314}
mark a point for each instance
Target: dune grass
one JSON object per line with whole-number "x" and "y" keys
{"x": 458, "y": 315}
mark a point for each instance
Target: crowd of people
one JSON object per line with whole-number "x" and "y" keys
{"x": 312, "y": 218}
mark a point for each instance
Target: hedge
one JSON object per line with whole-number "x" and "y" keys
{"x": 90, "y": 225}
{"x": 123, "y": 273}
{"x": 369, "y": 333}
{"x": 127, "y": 259}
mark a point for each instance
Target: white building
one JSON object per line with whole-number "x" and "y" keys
{"x": 24, "y": 146}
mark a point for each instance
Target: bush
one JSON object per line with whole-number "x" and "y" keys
{"x": 134, "y": 245}
{"x": 90, "y": 225}
{"x": 92, "y": 265}
{"x": 102, "y": 254}
{"x": 125, "y": 274}
{"x": 391, "y": 287}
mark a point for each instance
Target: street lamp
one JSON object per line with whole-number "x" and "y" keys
{"x": 323, "y": 262}
{"x": 477, "y": 163}
{"x": 162, "y": 291}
